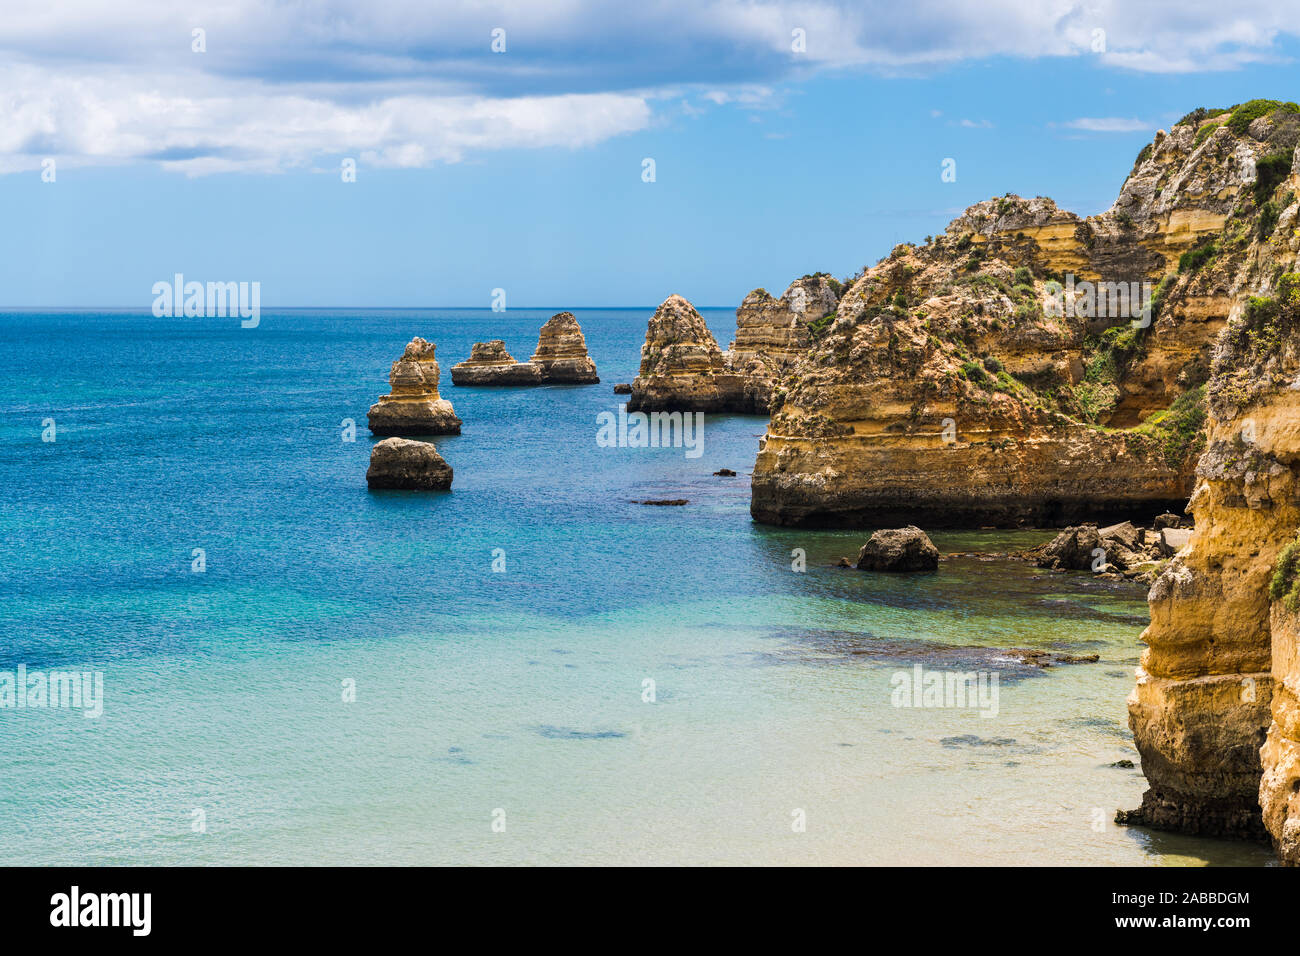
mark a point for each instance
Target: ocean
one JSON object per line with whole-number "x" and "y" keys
{"x": 530, "y": 668}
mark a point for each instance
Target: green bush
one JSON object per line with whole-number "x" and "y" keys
{"x": 1246, "y": 113}
{"x": 1270, "y": 171}
{"x": 1204, "y": 132}
{"x": 1193, "y": 259}
{"x": 1198, "y": 115}
{"x": 992, "y": 363}
{"x": 1285, "y": 586}
{"x": 1023, "y": 277}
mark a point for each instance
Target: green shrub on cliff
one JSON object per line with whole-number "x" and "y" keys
{"x": 1204, "y": 132}
{"x": 1200, "y": 114}
{"x": 1269, "y": 171}
{"x": 1182, "y": 428}
{"x": 817, "y": 327}
{"x": 1193, "y": 259}
{"x": 1246, "y": 113}
{"x": 1285, "y": 586}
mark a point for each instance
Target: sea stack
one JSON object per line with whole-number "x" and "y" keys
{"x": 490, "y": 364}
{"x": 413, "y": 407}
{"x": 562, "y": 353}
{"x": 682, "y": 368}
{"x": 561, "y": 359}
{"x": 409, "y": 465}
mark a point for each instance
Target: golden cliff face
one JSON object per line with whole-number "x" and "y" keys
{"x": 1006, "y": 373}
{"x": 1214, "y": 712}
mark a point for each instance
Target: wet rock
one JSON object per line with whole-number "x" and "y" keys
{"x": 899, "y": 550}
{"x": 623, "y": 388}
{"x": 663, "y": 501}
{"x": 725, "y": 473}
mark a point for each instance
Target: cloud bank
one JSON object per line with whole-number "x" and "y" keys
{"x": 408, "y": 83}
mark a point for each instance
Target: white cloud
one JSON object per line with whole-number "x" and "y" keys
{"x": 1109, "y": 124}
{"x": 410, "y": 82}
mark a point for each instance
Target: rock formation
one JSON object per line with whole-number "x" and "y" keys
{"x": 682, "y": 368}
{"x": 490, "y": 364}
{"x": 562, "y": 353}
{"x": 1007, "y": 372}
{"x": 561, "y": 359}
{"x": 1121, "y": 549}
{"x": 1215, "y": 712}
{"x": 772, "y": 334}
{"x": 898, "y": 550}
{"x": 402, "y": 463}
{"x": 413, "y": 407}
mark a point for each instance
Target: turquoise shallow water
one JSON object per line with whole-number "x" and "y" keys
{"x": 481, "y": 691}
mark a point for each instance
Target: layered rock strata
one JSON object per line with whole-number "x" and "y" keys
{"x": 490, "y": 364}
{"x": 562, "y": 353}
{"x": 561, "y": 359}
{"x": 413, "y": 406}
{"x": 682, "y": 367}
{"x": 1215, "y": 711}
{"x": 1007, "y": 371}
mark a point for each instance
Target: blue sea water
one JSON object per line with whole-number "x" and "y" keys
{"x": 499, "y": 716}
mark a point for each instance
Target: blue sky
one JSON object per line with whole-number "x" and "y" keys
{"x": 523, "y": 170}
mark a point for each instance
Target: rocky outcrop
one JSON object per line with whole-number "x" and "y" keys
{"x": 413, "y": 407}
{"x": 405, "y": 464}
{"x": 562, "y": 353}
{"x": 899, "y": 550}
{"x": 682, "y": 368}
{"x": 1215, "y": 712}
{"x": 1121, "y": 549}
{"x": 561, "y": 359}
{"x": 490, "y": 364}
{"x": 773, "y": 334}
{"x": 1000, "y": 374}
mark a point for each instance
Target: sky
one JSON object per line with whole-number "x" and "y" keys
{"x": 142, "y": 138}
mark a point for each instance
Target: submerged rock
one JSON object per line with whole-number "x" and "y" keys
{"x": 404, "y": 464}
{"x": 413, "y": 407}
{"x": 899, "y": 549}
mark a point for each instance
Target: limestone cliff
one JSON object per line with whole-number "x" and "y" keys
{"x": 772, "y": 334}
{"x": 1214, "y": 712}
{"x": 413, "y": 406}
{"x": 1016, "y": 369}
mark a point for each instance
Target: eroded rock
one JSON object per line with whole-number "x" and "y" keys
{"x": 413, "y": 406}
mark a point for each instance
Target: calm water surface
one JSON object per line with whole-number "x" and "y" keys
{"x": 518, "y": 691}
